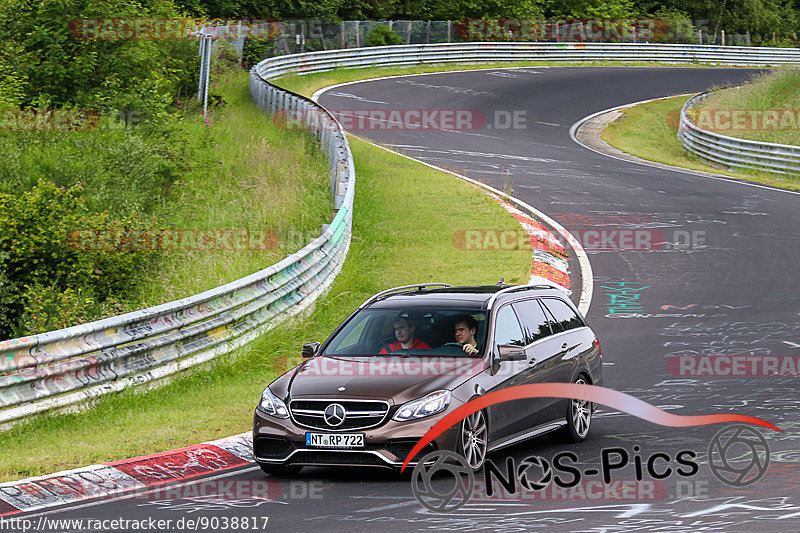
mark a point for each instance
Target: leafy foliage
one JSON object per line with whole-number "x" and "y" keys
{"x": 758, "y": 17}
{"x": 382, "y": 36}
{"x": 679, "y": 27}
{"x": 49, "y": 245}
{"x": 65, "y": 66}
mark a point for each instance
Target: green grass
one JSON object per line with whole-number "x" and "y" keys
{"x": 775, "y": 91}
{"x": 240, "y": 172}
{"x": 401, "y": 234}
{"x": 249, "y": 174}
{"x": 650, "y": 131}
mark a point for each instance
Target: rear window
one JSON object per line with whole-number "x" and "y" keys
{"x": 564, "y": 317}
{"x": 536, "y": 323}
{"x": 428, "y": 331}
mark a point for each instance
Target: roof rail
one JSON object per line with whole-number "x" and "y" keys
{"x": 418, "y": 286}
{"x": 514, "y": 288}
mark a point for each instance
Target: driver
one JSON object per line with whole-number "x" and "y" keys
{"x": 466, "y": 327}
{"x": 404, "y": 331}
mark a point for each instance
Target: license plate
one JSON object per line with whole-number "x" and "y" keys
{"x": 335, "y": 440}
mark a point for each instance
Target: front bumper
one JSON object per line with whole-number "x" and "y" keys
{"x": 282, "y": 442}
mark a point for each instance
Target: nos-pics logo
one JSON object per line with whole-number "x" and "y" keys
{"x": 737, "y": 455}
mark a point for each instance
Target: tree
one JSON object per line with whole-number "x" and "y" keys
{"x": 68, "y": 60}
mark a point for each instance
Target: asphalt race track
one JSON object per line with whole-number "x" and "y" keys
{"x": 718, "y": 277}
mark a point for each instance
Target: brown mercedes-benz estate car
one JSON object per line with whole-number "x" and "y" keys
{"x": 410, "y": 355}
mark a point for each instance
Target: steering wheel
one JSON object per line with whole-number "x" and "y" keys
{"x": 452, "y": 344}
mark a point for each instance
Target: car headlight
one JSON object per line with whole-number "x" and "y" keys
{"x": 432, "y": 404}
{"x": 272, "y": 405}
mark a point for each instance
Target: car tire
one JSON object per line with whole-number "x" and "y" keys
{"x": 280, "y": 470}
{"x": 579, "y": 417}
{"x": 473, "y": 439}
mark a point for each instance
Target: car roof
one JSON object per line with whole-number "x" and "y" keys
{"x": 463, "y": 297}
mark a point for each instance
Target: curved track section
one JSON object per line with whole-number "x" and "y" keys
{"x": 714, "y": 274}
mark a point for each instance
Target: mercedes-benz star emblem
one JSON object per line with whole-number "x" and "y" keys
{"x": 334, "y": 415}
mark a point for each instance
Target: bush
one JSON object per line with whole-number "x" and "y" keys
{"x": 679, "y": 27}
{"x": 53, "y": 270}
{"x": 256, "y": 50}
{"x": 50, "y": 308}
{"x": 72, "y": 64}
{"x": 382, "y": 36}
{"x": 224, "y": 58}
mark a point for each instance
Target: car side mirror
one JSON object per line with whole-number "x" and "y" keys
{"x": 510, "y": 352}
{"x": 310, "y": 349}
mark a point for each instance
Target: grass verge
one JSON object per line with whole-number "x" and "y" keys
{"x": 776, "y": 93}
{"x": 236, "y": 174}
{"x": 248, "y": 174}
{"x": 650, "y": 131}
{"x": 395, "y": 242}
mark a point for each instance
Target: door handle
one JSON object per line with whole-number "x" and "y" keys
{"x": 565, "y": 348}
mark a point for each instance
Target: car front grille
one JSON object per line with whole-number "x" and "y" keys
{"x": 358, "y": 414}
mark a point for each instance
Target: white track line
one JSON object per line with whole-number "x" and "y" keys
{"x": 587, "y": 281}
{"x": 702, "y": 174}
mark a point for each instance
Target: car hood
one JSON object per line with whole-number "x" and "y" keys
{"x": 396, "y": 379}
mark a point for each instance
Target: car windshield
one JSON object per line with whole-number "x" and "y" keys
{"x": 424, "y": 332}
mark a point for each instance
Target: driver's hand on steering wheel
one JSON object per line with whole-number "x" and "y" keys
{"x": 470, "y": 349}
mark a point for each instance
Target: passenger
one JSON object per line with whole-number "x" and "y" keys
{"x": 466, "y": 327}
{"x": 404, "y": 331}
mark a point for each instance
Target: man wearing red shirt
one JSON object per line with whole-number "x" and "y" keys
{"x": 404, "y": 331}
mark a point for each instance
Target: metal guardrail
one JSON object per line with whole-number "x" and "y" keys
{"x": 725, "y": 151}
{"x": 506, "y": 52}
{"x": 76, "y": 364}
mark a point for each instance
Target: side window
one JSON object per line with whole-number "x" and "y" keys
{"x": 536, "y": 323}
{"x": 565, "y": 317}
{"x": 507, "y": 328}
